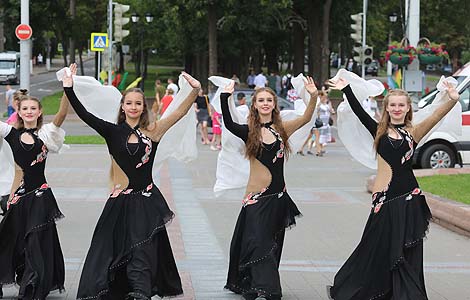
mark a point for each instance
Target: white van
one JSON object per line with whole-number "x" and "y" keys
{"x": 10, "y": 68}
{"x": 444, "y": 149}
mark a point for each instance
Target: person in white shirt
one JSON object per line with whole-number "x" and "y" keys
{"x": 371, "y": 107}
{"x": 172, "y": 85}
{"x": 260, "y": 80}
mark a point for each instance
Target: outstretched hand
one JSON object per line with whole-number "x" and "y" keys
{"x": 338, "y": 84}
{"x": 193, "y": 82}
{"x": 451, "y": 91}
{"x": 229, "y": 88}
{"x": 310, "y": 86}
{"x": 67, "y": 81}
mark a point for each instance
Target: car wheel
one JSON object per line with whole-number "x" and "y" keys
{"x": 438, "y": 156}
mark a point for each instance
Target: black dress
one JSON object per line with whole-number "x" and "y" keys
{"x": 257, "y": 242}
{"x": 388, "y": 262}
{"x": 130, "y": 253}
{"x": 30, "y": 253}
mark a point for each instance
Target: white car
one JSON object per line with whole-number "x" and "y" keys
{"x": 443, "y": 149}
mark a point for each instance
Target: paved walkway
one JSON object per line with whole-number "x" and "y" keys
{"x": 329, "y": 191}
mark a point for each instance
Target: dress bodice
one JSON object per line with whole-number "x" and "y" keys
{"x": 272, "y": 157}
{"x": 398, "y": 153}
{"x": 31, "y": 158}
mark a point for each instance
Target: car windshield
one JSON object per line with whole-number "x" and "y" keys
{"x": 429, "y": 97}
{"x": 7, "y": 64}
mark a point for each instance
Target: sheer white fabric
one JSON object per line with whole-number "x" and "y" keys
{"x": 451, "y": 123}
{"x": 51, "y": 135}
{"x": 357, "y": 139}
{"x": 180, "y": 140}
{"x": 104, "y": 102}
{"x": 7, "y": 165}
{"x": 233, "y": 168}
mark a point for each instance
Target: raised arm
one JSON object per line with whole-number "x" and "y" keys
{"x": 62, "y": 113}
{"x": 101, "y": 126}
{"x": 239, "y": 130}
{"x": 421, "y": 129}
{"x": 356, "y": 106}
{"x": 291, "y": 126}
{"x": 160, "y": 127}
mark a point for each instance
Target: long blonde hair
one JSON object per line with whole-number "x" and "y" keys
{"x": 385, "y": 123}
{"x": 253, "y": 144}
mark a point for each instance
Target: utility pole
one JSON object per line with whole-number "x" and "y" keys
{"x": 25, "y": 49}
{"x": 364, "y": 31}
{"x": 110, "y": 37}
{"x": 412, "y": 76}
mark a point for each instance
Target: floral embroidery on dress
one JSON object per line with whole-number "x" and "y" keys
{"x": 148, "y": 149}
{"x": 251, "y": 198}
{"x": 147, "y": 192}
{"x": 20, "y": 193}
{"x": 409, "y": 139}
{"x": 41, "y": 156}
{"x": 280, "y": 152}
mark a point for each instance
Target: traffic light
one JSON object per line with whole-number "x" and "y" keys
{"x": 119, "y": 21}
{"x": 357, "y": 36}
{"x": 357, "y": 27}
{"x": 367, "y": 53}
{"x": 357, "y": 55}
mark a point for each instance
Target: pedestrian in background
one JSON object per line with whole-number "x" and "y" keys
{"x": 260, "y": 80}
{"x": 236, "y": 79}
{"x": 325, "y": 110}
{"x": 216, "y": 130}
{"x": 202, "y": 108}
{"x": 166, "y": 100}
{"x": 9, "y": 99}
{"x": 172, "y": 85}
{"x": 130, "y": 256}
{"x": 159, "y": 94}
{"x": 250, "y": 80}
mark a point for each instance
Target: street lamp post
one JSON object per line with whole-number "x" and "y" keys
{"x": 135, "y": 19}
{"x": 392, "y": 18}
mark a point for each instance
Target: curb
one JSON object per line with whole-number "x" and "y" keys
{"x": 450, "y": 214}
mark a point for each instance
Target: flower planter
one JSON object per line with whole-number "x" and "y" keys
{"x": 429, "y": 59}
{"x": 400, "y": 50}
{"x": 401, "y": 60}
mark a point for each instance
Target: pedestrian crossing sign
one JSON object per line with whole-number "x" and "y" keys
{"x": 99, "y": 41}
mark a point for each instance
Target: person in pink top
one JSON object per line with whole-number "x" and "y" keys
{"x": 216, "y": 131}
{"x": 13, "y": 118}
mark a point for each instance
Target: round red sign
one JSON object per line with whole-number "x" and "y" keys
{"x": 23, "y": 32}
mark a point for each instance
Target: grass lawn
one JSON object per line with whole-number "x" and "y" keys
{"x": 84, "y": 139}
{"x": 50, "y": 104}
{"x": 455, "y": 187}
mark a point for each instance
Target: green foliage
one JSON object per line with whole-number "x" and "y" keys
{"x": 453, "y": 187}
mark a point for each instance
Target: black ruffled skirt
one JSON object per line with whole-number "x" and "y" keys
{"x": 30, "y": 253}
{"x": 130, "y": 254}
{"x": 256, "y": 247}
{"x": 388, "y": 262}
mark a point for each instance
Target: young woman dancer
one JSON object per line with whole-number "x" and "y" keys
{"x": 257, "y": 242}
{"x": 130, "y": 256}
{"x": 388, "y": 262}
{"x": 30, "y": 253}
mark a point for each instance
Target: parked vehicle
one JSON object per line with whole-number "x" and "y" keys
{"x": 10, "y": 68}
{"x": 372, "y": 68}
{"x": 443, "y": 149}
